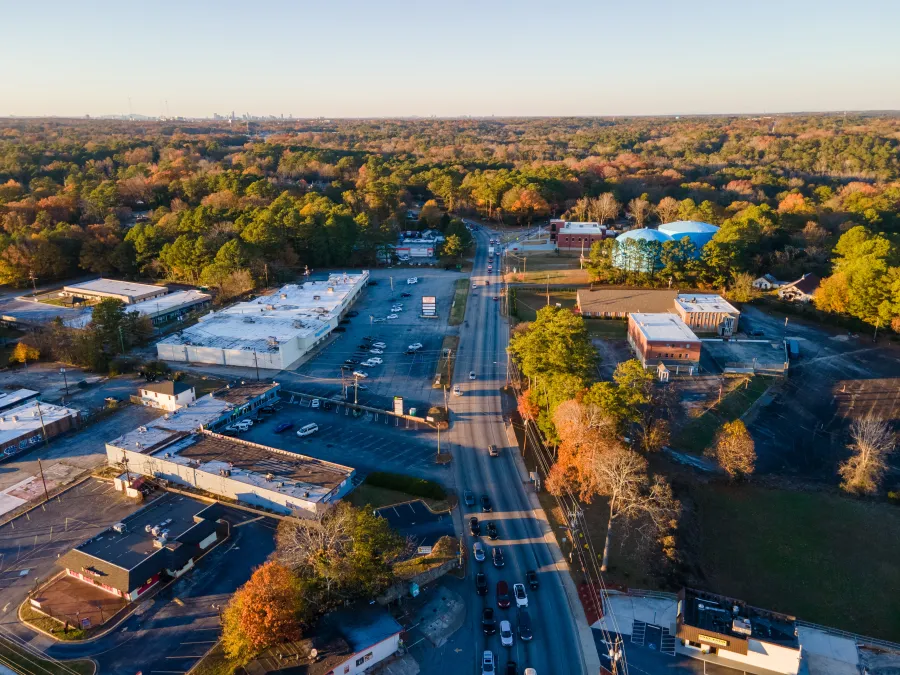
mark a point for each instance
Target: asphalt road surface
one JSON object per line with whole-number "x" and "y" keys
{"x": 477, "y": 423}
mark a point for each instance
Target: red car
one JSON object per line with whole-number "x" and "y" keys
{"x": 502, "y": 595}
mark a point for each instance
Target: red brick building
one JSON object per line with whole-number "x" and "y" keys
{"x": 576, "y": 236}
{"x": 663, "y": 338}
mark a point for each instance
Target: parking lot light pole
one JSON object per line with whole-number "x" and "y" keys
{"x": 65, "y": 380}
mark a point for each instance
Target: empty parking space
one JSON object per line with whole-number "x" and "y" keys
{"x": 416, "y": 520}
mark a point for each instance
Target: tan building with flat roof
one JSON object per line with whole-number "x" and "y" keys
{"x": 707, "y": 313}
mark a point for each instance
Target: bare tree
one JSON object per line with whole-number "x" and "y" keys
{"x": 604, "y": 208}
{"x": 579, "y": 212}
{"x": 667, "y": 209}
{"x": 734, "y": 450}
{"x": 648, "y": 507}
{"x": 873, "y": 441}
{"x": 639, "y": 211}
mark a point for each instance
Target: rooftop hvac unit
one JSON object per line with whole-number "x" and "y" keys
{"x": 15, "y": 418}
{"x": 284, "y": 296}
{"x": 270, "y": 307}
{"x": 155, "y": 530}
{"x": 741, "y": 626}
{"x": 270, "y": 476}
{"x": 331, "y": 289}
{"x": 317, "y": 297}
{"x": 34, "y": 413}
{"x": 159, "y": 542}
{"x": 143, "y": 430}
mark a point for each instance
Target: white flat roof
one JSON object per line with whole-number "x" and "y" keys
{"x": 294, "y": 311}
{"x": 169, "y": 302}
{"x": 705, "y": 303}
{"x": 582, "y": 228}
{"x": 10, "y": 398}
{"x": 656, "y": 327}
{"x": 204, "y": 410}
{"x": 114, "y": 287}
{"x": 16, "y": 422}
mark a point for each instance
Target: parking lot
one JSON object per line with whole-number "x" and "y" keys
{"x": 31, "y": 544}
{"x": 366, "y": 443}
{"x": 417, "y": 521}
{"x": 400, "y": 374}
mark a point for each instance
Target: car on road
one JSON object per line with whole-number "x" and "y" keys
{"x": 492, "y": 530}
{"x": 481, "y": 587}
{"x": 532, "y": 578}
{"x": 488, "y": 622}
{"x": 520, "y": 595}
{"x": 506, "y": 634}
{"x": 486, "y": 505}
{"x": 478, "y": 551}
{"x": 284, "y": 426}
{"x": 412, "y": 280}
{"x": 474, "y": 284}
{"x": 406, "y": 295}
{"x": 415, "y": 346}
{"x": 493, "y": 451}
{"x": 497, "y": 555}
{"x": 456, "y": 390}
{"x": 315, "y": 403}
{"x": 376, "y": 351}
{"x": 471, "y": 374}
{"x": 502, "y": 595}
{"x": 361, "y": 374}
{"x": 487, "y": 663}
{"x": 307, "y": 430}
{"x": 392, "y": 316}
{"x": 379, "y": 345}
{"x": 469, "y": 498}
{"x": 525, "y": 633}
{"x": 474, "y": 526}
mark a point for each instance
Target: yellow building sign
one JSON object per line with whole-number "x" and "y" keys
{"x": 719, "y": 642}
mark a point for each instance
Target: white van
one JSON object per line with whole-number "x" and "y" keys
{"x": 308, "y": 430}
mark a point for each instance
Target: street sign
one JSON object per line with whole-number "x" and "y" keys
{"x": 424, "y": 550}
{"x": 429, "y": 306}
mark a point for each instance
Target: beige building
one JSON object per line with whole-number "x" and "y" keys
{"x": 707, "y": 313}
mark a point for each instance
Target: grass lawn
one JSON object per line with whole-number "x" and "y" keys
{"x": 609, "y": 329}
{"x": 214, "y": 663}
{"x": 818, "y": 556}
{"x": 16, "y": 658}
{"x": 460, "y": 297}
{"x": 698, "y": 434}
{"x": 448, "y": 346}
{"x": 528, "y": 302}
{"x": 376, "y": 497}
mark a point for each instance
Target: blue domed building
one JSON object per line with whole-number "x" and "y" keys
{"x": 633, "y": 254}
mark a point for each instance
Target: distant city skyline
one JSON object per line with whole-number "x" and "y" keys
{"x": 405, "y": 59}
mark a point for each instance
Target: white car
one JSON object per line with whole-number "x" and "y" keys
{"x": 487, "y": 663}
{"x": 376, "y": 351}
{"x": 478, "y": 551}
{"x": 520, "y": 595}
{"x": 415, "y": 345}
{"x": 379, "y": 345}
{"x": 471, "y": 374}
{"x": 314, "y": 403}
{"x": 368, "y": 364}
{"x": 457, "y": 391}
{"x": 396, "y": 309}
{"x": 392, "y": 316}
{"x": 506, "y": 635}
{"x": 361, "y": 374}
{"x": 378, "y": 320}
{"x": 376, "y": 360}
{"x": 246, "y": 424}
{"x": 412, "y": 280}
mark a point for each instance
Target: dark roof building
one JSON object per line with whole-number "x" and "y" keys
{"x": 611, "y": 303}
{"x": 167, "y": 388}
{"x": 162, "y": 539}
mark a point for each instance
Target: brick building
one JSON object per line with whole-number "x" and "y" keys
{"x": 663, "y": 338}
{"x": 706, "y": 313}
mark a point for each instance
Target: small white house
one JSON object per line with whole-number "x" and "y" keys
{"x": 767, "y": 283}
{"x": 167, "y": 395}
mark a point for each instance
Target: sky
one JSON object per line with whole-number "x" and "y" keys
{"x": 390, "y": 58}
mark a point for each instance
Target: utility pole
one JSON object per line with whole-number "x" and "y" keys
{"x": 65, "y": 380}
{"x": 41, "y": 469}
{"x": 266, "y": 270}
{"x": 33, "y": 282}
{"x": 392, "y": 287}
{"x": 121, "y": 341}
{"x": 43, "y": 428}
{"x": 356, "y": 390}
{"x": 256, "y": 363}
{"x": 548, "y": 289}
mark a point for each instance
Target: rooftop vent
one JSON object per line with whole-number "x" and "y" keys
{"x": 317, "y": 297}
{"x": 15, "y": 418}
{"x": 284, "y": 296}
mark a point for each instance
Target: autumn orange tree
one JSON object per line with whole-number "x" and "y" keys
{"x": 269, "y": 609}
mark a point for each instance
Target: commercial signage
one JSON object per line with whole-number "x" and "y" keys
{"x": 398, "y": 405}
{"x": 429, "y": 305}
{"x": 424, "y": 550}
{"x": 712, "y": 640}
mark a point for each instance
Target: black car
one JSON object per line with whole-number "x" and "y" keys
{"x": 364, "y": 347}
{"x": 327, "y": 405}
{"x": 352, "y": 313}
{"x": 488, "y": 623}
{"x": 511, "y": 668}
{"x": 344, "y": 322}
{"x": 532, "y": 579}
{"x": 351, "y": 362}
{"x": 469, "y": 497}
{"x": 497, "y": 554}
{"x": 474, "y": 526}
{"x": 373, "y": 283}
{"x": 339, "y": 329}
{"x": 481, "y": 583}
{"x": 492, "y": 530}
{"x": 486, "y": 504}
{"x": 524, "y": 624}
{"x": 406, "y": 295}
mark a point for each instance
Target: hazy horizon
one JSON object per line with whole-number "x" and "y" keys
{"x": 347, "y": 60}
